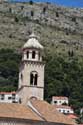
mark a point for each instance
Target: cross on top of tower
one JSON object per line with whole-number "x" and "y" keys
{"x": 33, "y": 42}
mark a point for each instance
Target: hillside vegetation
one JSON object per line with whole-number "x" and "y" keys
{"x": 61, "y": 33}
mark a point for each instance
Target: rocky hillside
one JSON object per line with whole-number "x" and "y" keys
{"x": 60, "y": 28}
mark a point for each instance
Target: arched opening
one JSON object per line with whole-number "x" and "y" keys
{"x": 33, "y": 98}
{"x": 33, "y": 78}
{"x": 21, "y": 76}
{"x": 27, "y": 54}
{"x": 33, "y": 54}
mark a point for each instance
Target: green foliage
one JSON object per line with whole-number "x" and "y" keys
{"x": 16, "y": 19}
{"x": 80, "y": 119}
{"x": 44, "y": 10}
{"x": 64, "y": 77}
{"x": 57, "y": 14}
{"x": 32, "y": 13}
{"x": 9, "y": 61}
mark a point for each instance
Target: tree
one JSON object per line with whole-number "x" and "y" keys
{"x": 32, "y": 13}
{"x": 31, "y": 2}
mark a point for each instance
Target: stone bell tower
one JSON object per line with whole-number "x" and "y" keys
{"x": 31, "y": 74}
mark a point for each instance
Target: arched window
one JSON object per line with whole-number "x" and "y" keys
{"x": 33, "y": 54}
{"x": 33, "y": 78}
{"x": 21, "y": 76}
{"x": 27, "y": 54}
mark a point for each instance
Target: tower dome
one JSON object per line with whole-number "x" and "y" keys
{"x": 32, "y": 42}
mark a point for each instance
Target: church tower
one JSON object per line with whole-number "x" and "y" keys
{"x": 31, "y": 74}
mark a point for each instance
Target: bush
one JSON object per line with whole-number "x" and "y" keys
{"x": 57, "y": 14}
{"x": 31, "y": 2}
{"x": 16, "y": 19}
{"x": 32, "y": 13}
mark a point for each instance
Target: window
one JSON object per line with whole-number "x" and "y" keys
{"x": 33, "y": 78}
{"x": 55, "y": 102}
{"x": 33, "y": 54}
{"x": 27, "y": 54}
{"x": 2, "y": 97}
{"x": 63, "y": 111}
{"x": 21, "y": 76}
{"x": 68, "y": 111}
{"x": 14, "y": 102}
{"x": 59, "y": 110}
{"x": 13, "y": 96}
{"x": 59, "y": 101}
{"x": 9, "y": 98}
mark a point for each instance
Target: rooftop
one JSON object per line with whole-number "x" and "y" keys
{"x": 73, "y": 116}
{"x": 8, "y": 92}
{"x": 63, "y": 106}
{"x": 43, "y": 112}
{"x": 33, "y": 42}
{"x": 50, "y": 113}
{"x": 60, "y": 97}
{"x": 12, "y": 110}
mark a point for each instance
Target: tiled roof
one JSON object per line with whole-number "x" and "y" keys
{"x": 8, "y": 92}
{"x": 50, "y": 114}
{"x": 44, "y": 112}
{"x": 60, "y": 97}
{"x": 63, "y": 106}
{"x": 18, "y": 111}
{"x": 33, "y": 42}
{"x": 73, "y": 116}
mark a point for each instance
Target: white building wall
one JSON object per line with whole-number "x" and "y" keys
{"x": 59, "y": 102}
{"x": 9, "y": 98}
{"x": 65, "y": 110}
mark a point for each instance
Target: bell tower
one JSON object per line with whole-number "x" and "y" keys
{"x": 31, "y": 73}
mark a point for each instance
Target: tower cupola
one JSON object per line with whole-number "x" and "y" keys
{"x": 32, "y": 49}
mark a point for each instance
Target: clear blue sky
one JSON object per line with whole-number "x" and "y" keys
{"x": 72, "y": 3}
{"x": 69, "y": 3}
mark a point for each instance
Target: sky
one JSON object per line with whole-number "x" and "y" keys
{"x": 68, "y": 3}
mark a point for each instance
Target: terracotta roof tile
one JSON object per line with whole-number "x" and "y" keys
{"x": 73, "y": 116}
{"x": 8, "y": 92}
{"x": 10, "y": 110}
{"x": 60, "y": 97}
{"x": 63, "y": 106}
{"x": 50, "y": 113}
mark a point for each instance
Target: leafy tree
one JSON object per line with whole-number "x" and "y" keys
{"x": 9, "y": 61}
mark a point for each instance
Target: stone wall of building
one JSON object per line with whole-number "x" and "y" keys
{"x": 28, "y": 90}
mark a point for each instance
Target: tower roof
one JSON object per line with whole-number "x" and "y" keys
{"x": 33, "y": 42}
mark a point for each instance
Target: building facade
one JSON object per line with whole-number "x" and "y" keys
{"x": 59, "y": 100}
{"x": 64, "y": 109}
{"x": 9, "y": 97}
